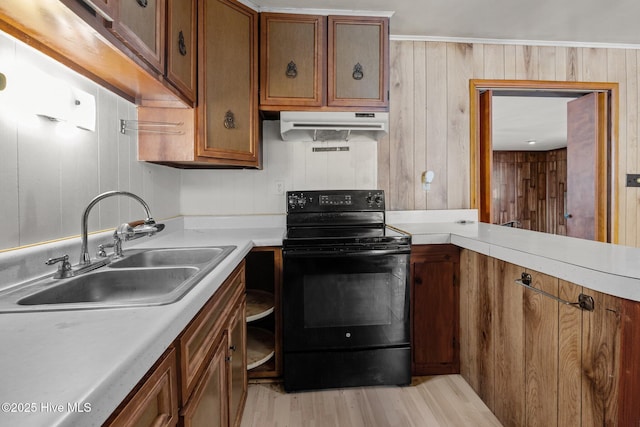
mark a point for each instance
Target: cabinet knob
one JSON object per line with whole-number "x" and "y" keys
{"x": 182, "y": 46}
{"x": 143, "y": 3}
{"x": 358, "y": 73}
{"x": 292, "y": 70}
{"x": 232, "y": 348}
{"x": 229, "y": 120}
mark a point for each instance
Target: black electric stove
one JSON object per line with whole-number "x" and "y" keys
{"x": 345, "y": 292}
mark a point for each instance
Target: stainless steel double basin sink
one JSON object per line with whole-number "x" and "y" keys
{"x": 143, "y": 277}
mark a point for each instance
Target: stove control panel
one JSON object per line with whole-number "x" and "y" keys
{"x": 335, "y": 201}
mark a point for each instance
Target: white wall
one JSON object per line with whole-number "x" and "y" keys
{"x": 293, "y": 163}
{"x": 47, "y": 179}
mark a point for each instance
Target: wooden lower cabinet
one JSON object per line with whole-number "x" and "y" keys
{"x": 537, "y": 362}
{"x": 207, "y": 406}
{"x": 155, "y": 401}
{"x": 434, "y": 309}
{"x": 202, "y": 380}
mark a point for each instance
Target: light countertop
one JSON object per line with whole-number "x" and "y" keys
{"x": 98, "y": 356}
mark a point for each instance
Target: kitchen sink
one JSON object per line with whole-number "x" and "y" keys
{"x": 171, "y": 257}
{"x": 113, "y": 286}
{"x": 143, "y": 277}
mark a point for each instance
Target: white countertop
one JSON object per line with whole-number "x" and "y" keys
{"x": 98, "y": 356}
{"x": 603, "y": 267}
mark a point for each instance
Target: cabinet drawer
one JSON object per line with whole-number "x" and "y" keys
{"x": 156, "y": 401}
{"x": 198, "y": 339}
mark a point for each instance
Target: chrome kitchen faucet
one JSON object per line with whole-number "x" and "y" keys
{"x": 126, "y": 231}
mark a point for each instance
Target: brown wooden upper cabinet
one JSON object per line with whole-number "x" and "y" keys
{"x": 224, "y": 129}
{"x": 140, "y": 24}
{"x": 336, "y": 62}
{"x": 181, "y": 46}
{"x": 227, "y": 113}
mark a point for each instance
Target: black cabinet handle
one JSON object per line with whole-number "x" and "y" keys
{"x": 358, "y": 73}
{"x": 143, "y": 3}
{"x": 229, "y": 120}
{"x": 182, "y": 46}
{"x": 292, "y": 70}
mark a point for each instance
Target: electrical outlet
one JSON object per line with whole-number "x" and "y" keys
{"x": 279, "y": 187}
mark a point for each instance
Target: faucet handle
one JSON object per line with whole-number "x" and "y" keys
{"x": 64, "y": 269}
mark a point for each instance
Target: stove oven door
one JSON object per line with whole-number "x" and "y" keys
{"x": 345, "y": 300}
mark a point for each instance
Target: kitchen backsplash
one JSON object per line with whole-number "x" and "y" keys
{"x": 288, "y": 165}
{"x": 47, "y": 178}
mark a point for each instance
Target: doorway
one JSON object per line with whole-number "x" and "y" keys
{"x": 589, "y": 208}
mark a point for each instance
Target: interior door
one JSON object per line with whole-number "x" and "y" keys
{"x": 486, "y": 156}
{"x": 586, "y": 200}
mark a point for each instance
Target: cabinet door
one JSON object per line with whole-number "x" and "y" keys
{"x": 208, "y": 404}
{"x": 435, "y": 306}
{"x": 181, "y": 48}
{"x": 105, "y": 8}
{"x": 357, "y": 61}
{"x": 237, "y": 364}
{"x": 227, "y": 83}
{"x": 155, "y": 404}
{"x": 292, "y": 59}
{"x": 140, "y": 24}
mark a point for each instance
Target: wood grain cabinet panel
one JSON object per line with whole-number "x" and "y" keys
{"x": 181, "y": 46}
{"x": 237, "y": 363}
{"x": 228, "y": 131}
{"x": 208, "y": 404}
{"x": 310, "y": 62}
{"x": 155, "y": 403}
{"x": 140, "y": 24}
{"x": 358, "y": 53}
{"x": 224, "y": 129}
{"x": 538, "y": 362}
{"x": 292, "y": 59}
{"x": 434, "y": 311}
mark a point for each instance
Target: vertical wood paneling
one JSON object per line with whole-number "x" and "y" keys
{"x": 547, "y": 63}
{"x": 443, "y": 130}
{"x": 436, "y": 59}
{"x": 494, "y": 61}
{"x": 401, "y": 127}
{"x": 420, "y": 120}
{"x": 459, "y": 71}
{"x": 468, "y": 261}
{"x": 541, "y": 352}
{"x": 569, "y": 357}
{"x": 628, "y": 153}
{"x": 509, "y": 345}
{"x": 601, "y": 361}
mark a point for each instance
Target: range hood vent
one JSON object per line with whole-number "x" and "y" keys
{"x": 332, "y": 126}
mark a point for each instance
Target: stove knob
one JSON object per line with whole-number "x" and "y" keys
{"x": 369, "y": 199}
{"x": 292, "y": 202}
{"x": 378, "y": 199}
{"x": 302, "y": 201}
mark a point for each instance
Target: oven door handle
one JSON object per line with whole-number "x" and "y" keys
{"x": 347, "y": 252}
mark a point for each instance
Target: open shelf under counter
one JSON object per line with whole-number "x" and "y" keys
{"x": 260, "y": 346}
{"x": 260, "y": 304}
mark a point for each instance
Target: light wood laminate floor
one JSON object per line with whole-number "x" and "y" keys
{"x": 445, "y": 400}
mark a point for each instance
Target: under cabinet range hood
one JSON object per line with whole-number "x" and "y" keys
{"x": 332, "y": 125}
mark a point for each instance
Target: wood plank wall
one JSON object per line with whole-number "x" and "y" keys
{"x": 528, "y": 186}
{"x": 429, "y": 115}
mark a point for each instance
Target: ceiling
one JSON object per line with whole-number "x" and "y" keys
{"x": 518, "y": 120}
{"x": 566, "y": 21}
